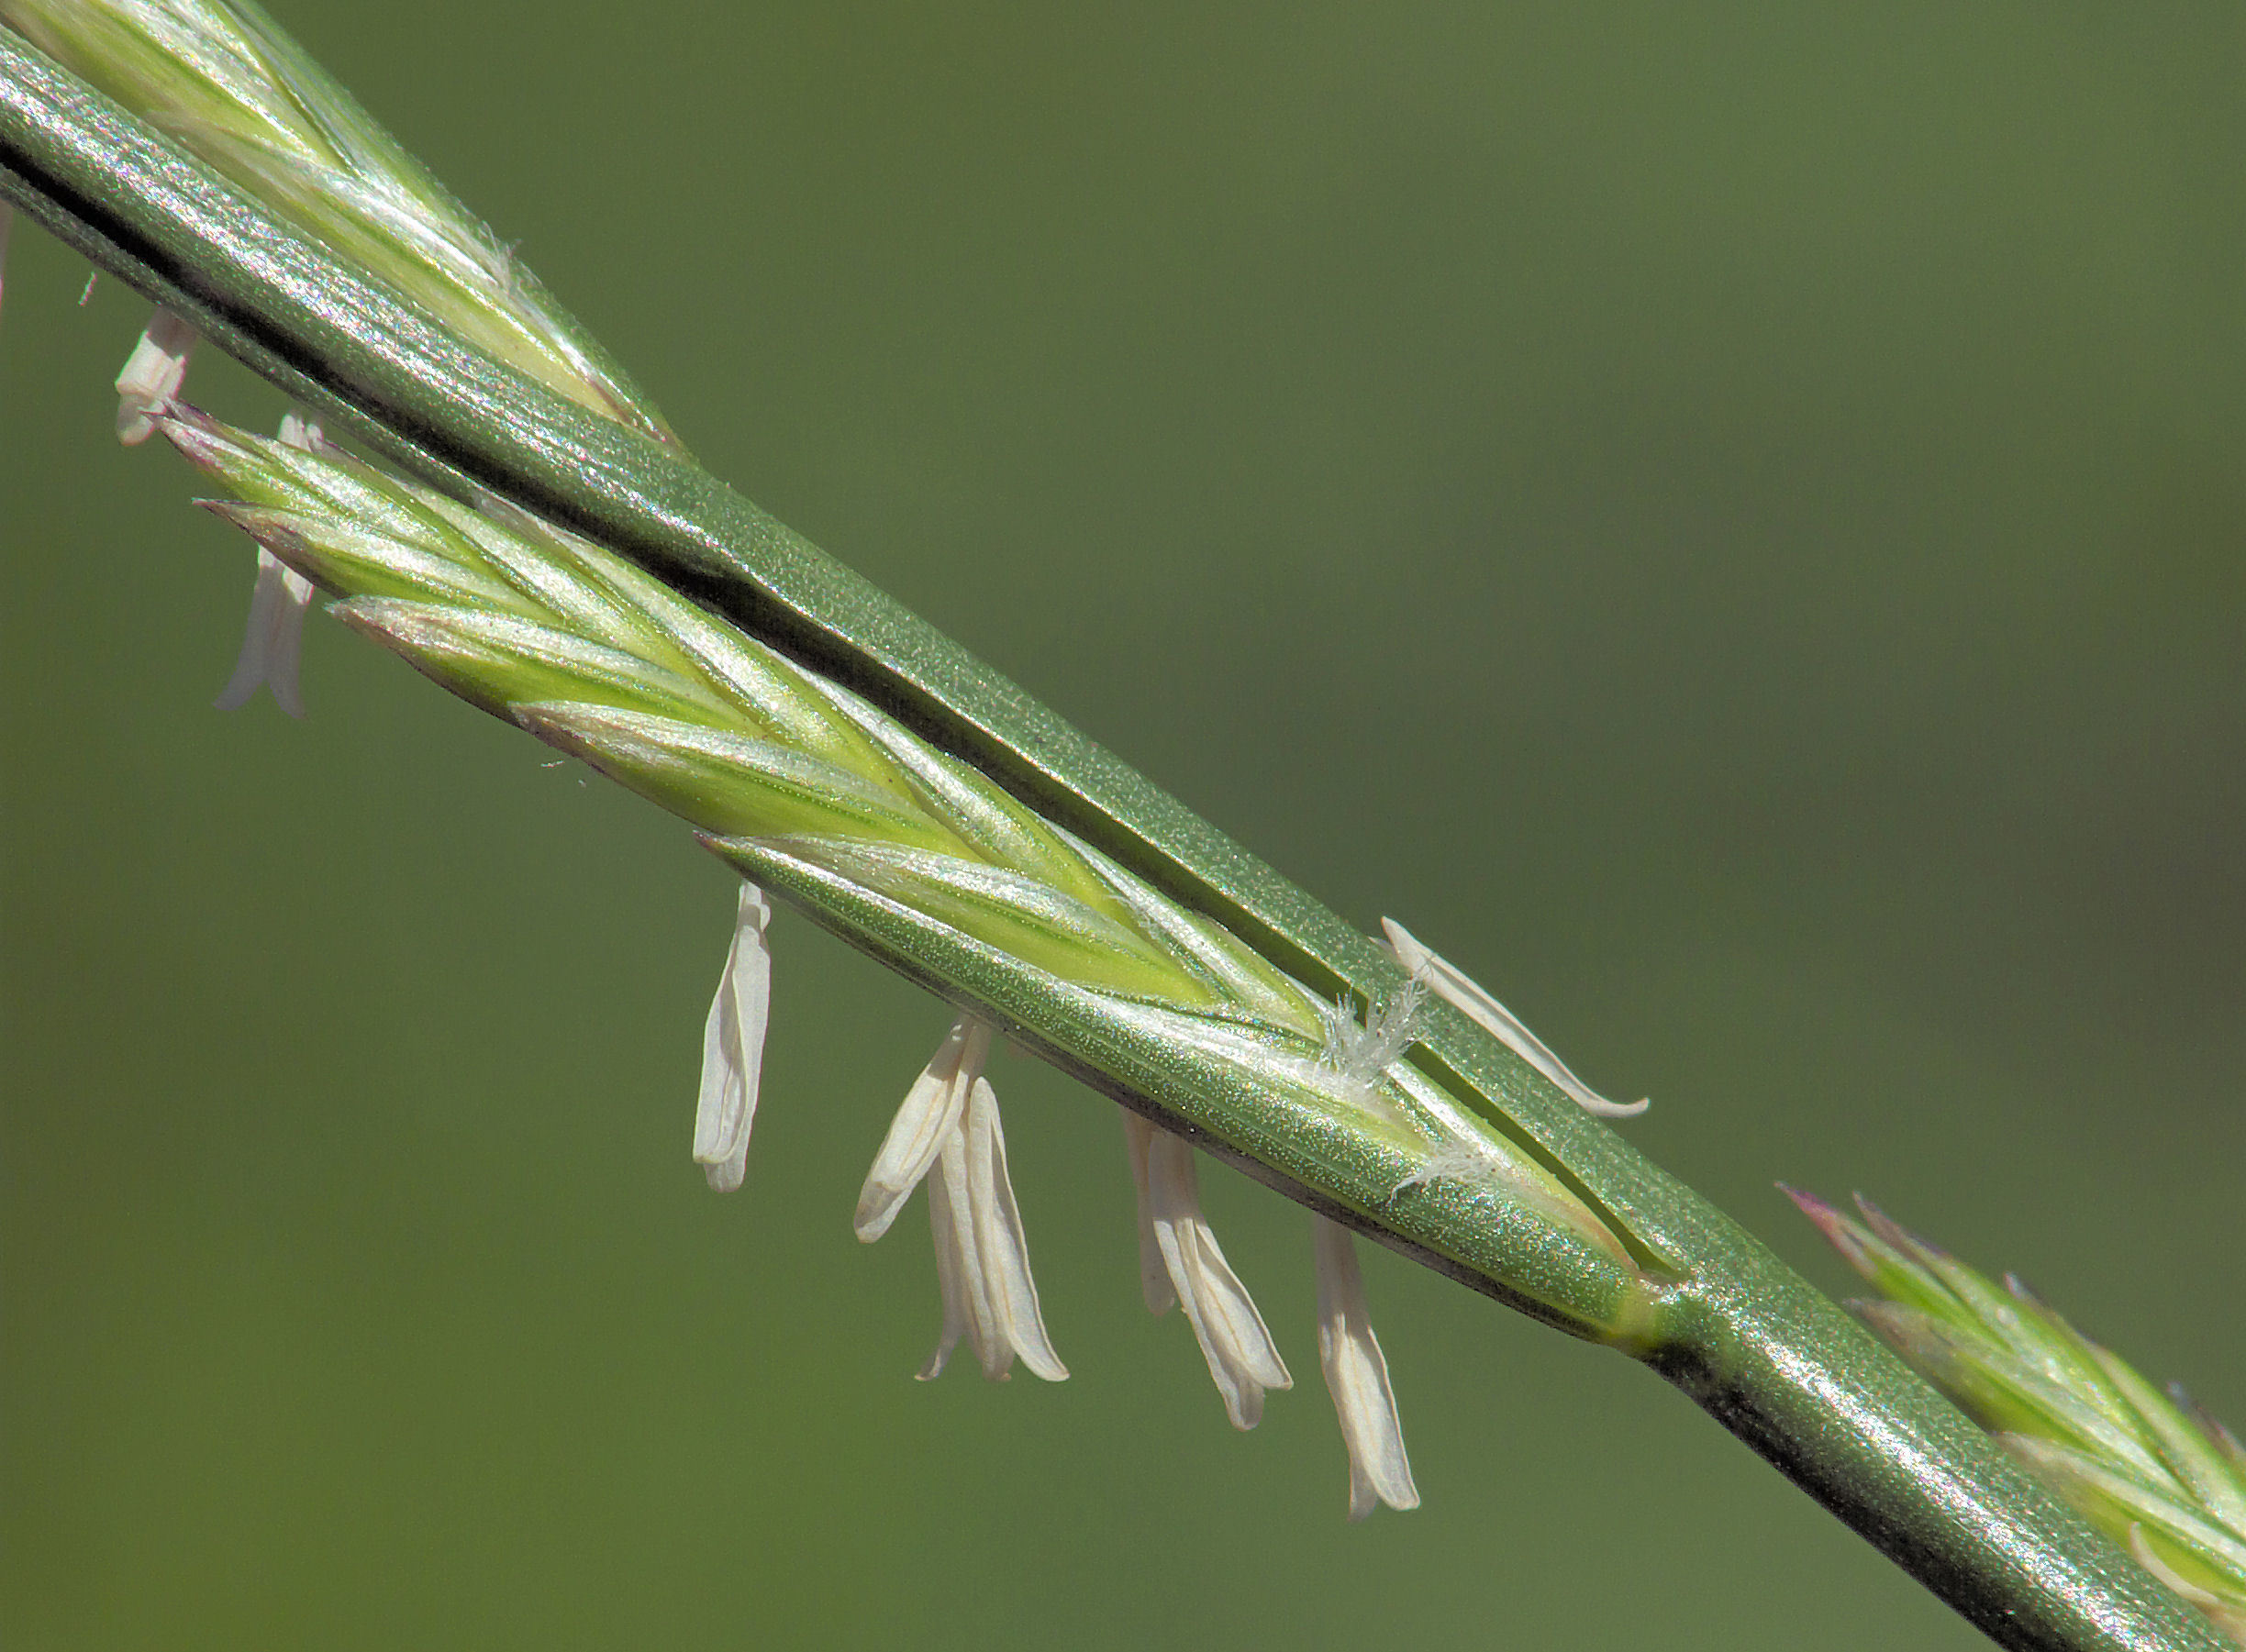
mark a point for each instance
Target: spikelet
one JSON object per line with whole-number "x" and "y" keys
{"x": 2151, "y": 1469}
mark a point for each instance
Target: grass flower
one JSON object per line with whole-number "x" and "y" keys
{"x": 1454, "y": 987}
{"x": 153, "y": 376}
{"x": 791, "y": 777}
{"x": 1357, "y": 1377}
{"x": 982, "y": 1257}
{"x": 273, "y": 638}
{"x": 733, "y": 1046}
{"x": 1242, "y": 1360}
{"x": 929, "y": 1117}
{"x": 947, "y": 1134}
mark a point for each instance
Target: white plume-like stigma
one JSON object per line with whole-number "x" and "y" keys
{"x": 1454, "y": 987}
{"x": 1357, "y": 1377}
{"x": 1363, "y": 1050}
{"x": 153, "y": 376}
{"x": 1242, "y": 1360}
{"x": 733, "y": 1046}
{"x": 273, "y": 641}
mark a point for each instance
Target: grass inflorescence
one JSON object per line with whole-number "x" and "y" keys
{"x": 2149, "y": 1467}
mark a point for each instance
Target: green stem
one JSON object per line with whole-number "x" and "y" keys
{"x": 1760, "y": 1350}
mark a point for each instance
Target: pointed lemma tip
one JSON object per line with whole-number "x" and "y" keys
{"x": 1809, "y": 1204}
{"x": 2023, "y": 1291}
{"x": 725, "y": 848}
{"x": 535, "y": 717}
{"x": 711, "y": 841}
{"x": 1877, "y": 1312}
{"x": 256, "y": 521}
{"x": 361, "y": 615}
{"x": 1895, "y": 1234}
{"x": 1921, "y": 1341}
{"x": 399, "y": 626}
{"x": 190, "y": 430}
{"x": 1840, "y": 1233}
{"x": 568, "y": 726}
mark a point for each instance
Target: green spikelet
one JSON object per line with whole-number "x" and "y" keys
{"x": 815, "y": 793}
{"x": 227, "y": 84}
{"x": 2151, "y": 1469}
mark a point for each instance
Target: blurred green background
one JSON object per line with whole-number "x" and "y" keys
{"x": 1728, "y": 519}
